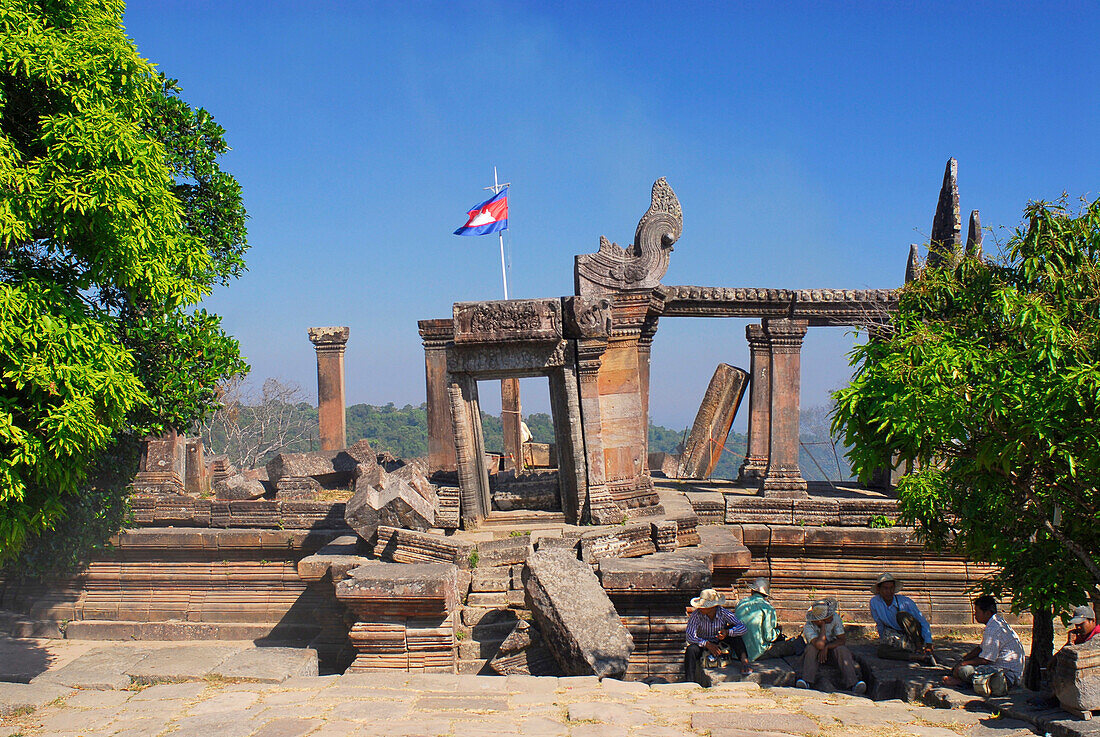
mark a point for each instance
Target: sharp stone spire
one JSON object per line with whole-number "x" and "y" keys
{"x": 947, "y": 224}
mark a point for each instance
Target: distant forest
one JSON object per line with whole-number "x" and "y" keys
{"x": 403, "y": 431}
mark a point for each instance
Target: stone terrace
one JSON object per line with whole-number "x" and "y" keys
{"x": 397, "y": 704}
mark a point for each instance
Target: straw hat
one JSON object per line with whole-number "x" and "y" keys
{"x": 760, "y": 586}
{"x": 883, "y": 579}
{"x": 708, "y": 598}
{"x": 821, "y": 610}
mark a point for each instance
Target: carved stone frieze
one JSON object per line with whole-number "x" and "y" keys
{"x": 504, "y": 359}
{"x": 820, "y": 306}
{"x": 642, "y": 264}
{"x": 507, "y": 321}
{"x": 587, "y": 317}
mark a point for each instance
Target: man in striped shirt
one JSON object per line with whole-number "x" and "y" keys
{"x": 710, "y": 629}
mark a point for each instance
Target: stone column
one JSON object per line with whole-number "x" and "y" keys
{"x": 784, "y": 478}
{"x": 510, "y": 422}
{"x": 330, "y": 343}
{"x": 756, "y": 455}
{"x": 435, "y": 334}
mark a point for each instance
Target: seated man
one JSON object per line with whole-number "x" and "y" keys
{"x": 825, "y": 643}
{"x": 998, "y": 663}
{"x": 764, "y": 638}
{"x": 709, "y": 629}
{"x": 1083, "y": 626}
{"x": 902, "y": 629}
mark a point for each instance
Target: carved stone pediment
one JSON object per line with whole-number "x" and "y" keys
{"x": 642, "y": 264}
{"x": 507, "y": 321}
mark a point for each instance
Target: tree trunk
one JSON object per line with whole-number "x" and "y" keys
{"x": 1042, "y": 647}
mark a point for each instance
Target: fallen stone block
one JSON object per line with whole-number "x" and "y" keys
{"x": 666, "y": 464}
{"x": 19, "y": 698}
{"x": 523, "y": 653}
{"x": 725, "y": 549}
{"x": 413, "y": 546}
{"x": 297, "y": 475}
{"x": 239, "y": 487}
{"x": 267, "y": 664}
{"x": 1076, "y": 677}
{"x": 704, "y": 446}
{"x": 400, "y": 589}
{"x": 491, "y": 579}
{"x": 335, "y": 559}
{"x": 577, "y": 620}
{"x": 504, "y": 552}
{"x": 386, "y": 499}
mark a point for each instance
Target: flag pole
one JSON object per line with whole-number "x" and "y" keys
{"x": 503, "y": 272}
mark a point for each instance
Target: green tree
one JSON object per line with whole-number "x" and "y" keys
{"x": 115, "y": 221}
{"x": 987, "y": 382}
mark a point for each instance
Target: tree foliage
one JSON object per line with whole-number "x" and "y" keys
{"x": 115, "y": 221}
{"x": 987, "y": 383}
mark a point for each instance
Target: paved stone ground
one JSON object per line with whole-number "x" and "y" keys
{"x": 396, "y": 704}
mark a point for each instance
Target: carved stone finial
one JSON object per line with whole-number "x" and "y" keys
{"x": 947, "y": 224}
{"x": 974, "y": 236}
{"x": 641, "y": 265}
{"x": 912, "y": 267}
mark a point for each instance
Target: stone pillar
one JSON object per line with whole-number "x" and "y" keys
{"x": 510, "y": 422}
{"x": 783, "y": 477}
{"x": 756, "y": 455}
{"x": 330, "y": 343}
{"x": 435, "y": 334}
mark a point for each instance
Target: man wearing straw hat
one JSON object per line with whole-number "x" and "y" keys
{"x": 764, "y": 638}
{"x": 709, "y": 629}
{"x": 825, "y": 643}
{"x": 903, "y": 632}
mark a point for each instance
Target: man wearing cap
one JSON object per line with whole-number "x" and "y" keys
{"x": 1083, "y": 626}
{"x": 709, "y": 629}
{"x": 764, "y": 638}
{"x": 998, "y": 663}
{"x": 826, "y": 642}
{"x": 902, "y": 630}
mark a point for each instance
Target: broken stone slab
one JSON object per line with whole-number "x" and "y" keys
{"x": 101, "y": 669}
{"x": 400, "y": 589}
{"x": 666, "y": 464}
{"x": 491, "y": 579}
{"x": 415, "y": 474}
{"x": 524, "y": 653}
{"x": 335, "y": 560}
{"x": 538, "y": 490}
{"x": 663, "y": 572}
{"x": 180, "y": 663}
{"x": 267, "y": 664}
{"x": 577, "y": 620}
{"x": 1076, "y": 677}
{"x": 19, "y": 698}
{"x": 705, "y": 444}
{"x": 386, "y": 499}
{"x": 239, "y": 487}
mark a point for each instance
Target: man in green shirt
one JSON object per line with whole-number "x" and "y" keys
{"x": 764, "y": 638}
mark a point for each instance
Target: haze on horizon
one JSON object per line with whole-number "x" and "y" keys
{"x": 806, "y": 146}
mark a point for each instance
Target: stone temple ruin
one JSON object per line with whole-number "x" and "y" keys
{"x": 572, "y": 558}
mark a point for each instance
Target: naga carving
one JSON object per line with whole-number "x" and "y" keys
{"x": 641, "y": 265}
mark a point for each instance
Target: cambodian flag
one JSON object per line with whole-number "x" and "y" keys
{"x": 488, "y": 217}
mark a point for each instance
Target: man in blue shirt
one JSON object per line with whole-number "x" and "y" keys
{"x": 709, "y": 629}
{"x": 904, "y": 633}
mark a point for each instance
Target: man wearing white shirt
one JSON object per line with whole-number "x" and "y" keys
{"x": 998, "y": 663}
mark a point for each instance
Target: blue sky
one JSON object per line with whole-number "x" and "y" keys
{"x": 806, "y": 143}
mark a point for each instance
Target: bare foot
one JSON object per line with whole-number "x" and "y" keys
{"x": 952, "y": 681}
